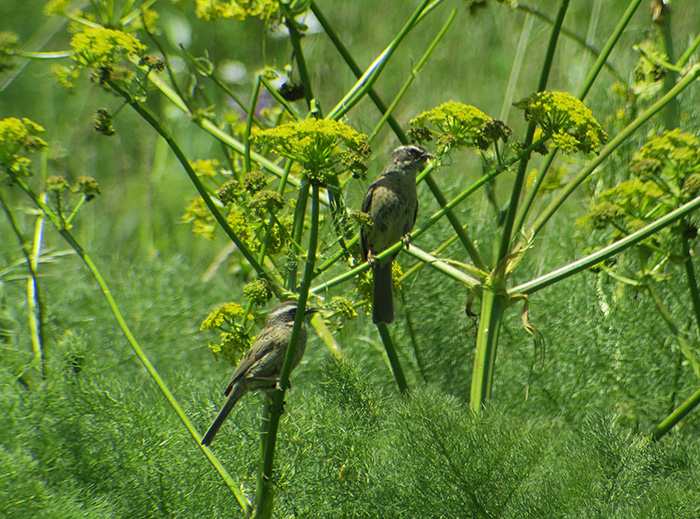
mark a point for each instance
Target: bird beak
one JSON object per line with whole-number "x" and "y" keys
{"x": 428, "y": 156}
{"x": 311, "y": 310}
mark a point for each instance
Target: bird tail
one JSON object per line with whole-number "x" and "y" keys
{"x": 383, "y": 300}
{"x": 239, "y": 389}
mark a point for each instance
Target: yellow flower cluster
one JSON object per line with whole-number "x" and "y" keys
{"x": 565, "y": 119}
{"x": 225, "y": 314}
{"x": 458, "y": 125}
{"x": 212, "y": 10}
{"x": 100, "y": 47}
{"x": 18, "y": 138}
{"x": 315, "y": 144}
{"x": 674, "y": 154}
{"x": 233, "y": 340}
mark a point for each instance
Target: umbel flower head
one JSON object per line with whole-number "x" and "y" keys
{"x": 672, "y": 156}
{"x": 316, "y": 145}
{"x": 565, "y": 119}
{"x": 458, "y": 125}
{"x": 99, "y": 47}
{"x": 234, "y": 340}
{"x": 18, "y": 138}
{"x": 212, "y": 10}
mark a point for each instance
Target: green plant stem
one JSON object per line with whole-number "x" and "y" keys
{"x": 441, "y": 266}
{"x": 515, "y": 69}
{"x": 367, "y": 79}
{"x": 295, "y": 38}
{"x": 298, "y": 228}
{"x": 160, "y": 129}
{"x": 572, "y": 35}
{"x": 281, "y": 100}
{"x": 264, "y": 495}
{"x": 249, "y": 124}
{"x": 610, "y": 148}
{"x": 150, "y": 368}
{"x": 683, "y": 60}
{"x": 673, "y": 327}
{"x": 34, "y": 305}
{"x": 672, "y": 114}
{"x": 345, "y": 53}
{"x": 608, "y": 252}
{"x": 516, "y": 193}
{"x": 583, "y": 92}
{"x": 387, "y": 112}
{"x": 676, "y": 416}
{"x": 492, "y": 306}
{"x": 692, "y": 279}
{"x": 393, "y": 357}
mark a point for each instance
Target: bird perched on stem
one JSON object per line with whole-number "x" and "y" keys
{"x": 392, "y": 203}
{"x": 261, "y": 366}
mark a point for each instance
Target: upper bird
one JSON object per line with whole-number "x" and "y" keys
{"x": 392, "y": 203}
{"x": 261, "y": 366}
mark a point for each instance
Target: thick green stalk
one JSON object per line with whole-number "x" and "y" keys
{"x": 150, "y": 368}
{"x": 539, "y": 224}
{"x": 608, "y": 252}
{"x": 263, "y": 494}
{"x": 393, "y": 357}
{"x": 492, "y": 306}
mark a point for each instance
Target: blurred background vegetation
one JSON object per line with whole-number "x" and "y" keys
{"x": 564, "y": 436}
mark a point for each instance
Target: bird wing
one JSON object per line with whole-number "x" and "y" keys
{"x": 262, "y": 346}
{"x": 365, "y": 208}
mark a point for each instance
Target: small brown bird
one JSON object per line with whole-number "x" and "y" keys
{"x": 261, "y": 366}
{"x": 392, "y": 202}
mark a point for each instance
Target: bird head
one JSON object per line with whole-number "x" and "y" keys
{"x": 286, "y": 312}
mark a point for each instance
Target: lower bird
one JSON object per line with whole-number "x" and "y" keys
{"x": 261, "y": 366}
{"x": 392, "y": 203}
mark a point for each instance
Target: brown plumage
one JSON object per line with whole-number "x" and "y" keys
{"x": 261, "y": 366}
{"x": 392, "y": 202}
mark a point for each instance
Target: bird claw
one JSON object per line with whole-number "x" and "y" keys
{"x": 406, "y": 240}
{"x": 372, "y": 260}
